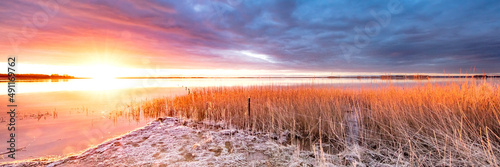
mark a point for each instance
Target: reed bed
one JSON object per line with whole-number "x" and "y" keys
{"x": 454, "y": 124}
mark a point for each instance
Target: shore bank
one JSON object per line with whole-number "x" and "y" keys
{"x": 177, "y": 142}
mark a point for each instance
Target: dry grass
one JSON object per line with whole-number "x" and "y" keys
{"x": 451, "y": 124}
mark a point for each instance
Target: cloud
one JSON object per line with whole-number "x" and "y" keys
{"x": 242, "y": 34}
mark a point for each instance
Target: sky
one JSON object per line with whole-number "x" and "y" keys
{"x": 250, "y": 37}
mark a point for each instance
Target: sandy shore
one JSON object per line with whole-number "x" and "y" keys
{"x": 177, "y": 142}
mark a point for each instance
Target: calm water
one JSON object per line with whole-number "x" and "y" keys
{"x": 60, "y": 117}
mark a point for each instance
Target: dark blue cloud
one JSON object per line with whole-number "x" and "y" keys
{"x": 426, "y": 36}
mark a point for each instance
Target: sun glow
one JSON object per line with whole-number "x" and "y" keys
{"x": 109, "y": 70}
{"x": 103, "y": 71}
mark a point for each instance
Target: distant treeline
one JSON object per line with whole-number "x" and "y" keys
{"x": 333, "y": 77}
{"x": 416, "y": 76}
{"x": 38, "y": 76}
{"x": 429, "y": 76}
{"x": 65, "y": 76}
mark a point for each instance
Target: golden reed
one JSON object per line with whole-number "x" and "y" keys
{"x": 424, "y": 124}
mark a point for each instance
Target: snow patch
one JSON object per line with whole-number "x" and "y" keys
{"x": 178, "y": 142}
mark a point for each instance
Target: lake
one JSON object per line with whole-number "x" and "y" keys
{"x": 60, "y": 117}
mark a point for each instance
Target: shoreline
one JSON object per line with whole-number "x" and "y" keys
{"x": 179, "y": 142}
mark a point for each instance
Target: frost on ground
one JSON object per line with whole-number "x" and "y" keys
{"x": 178, "y": 142}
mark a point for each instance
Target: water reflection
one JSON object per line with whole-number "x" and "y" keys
{"x": 52, "y": 85}
{"x": 62, "y": 122}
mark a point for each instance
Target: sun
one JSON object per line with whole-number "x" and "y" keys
{"x": 105, "y": 71}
